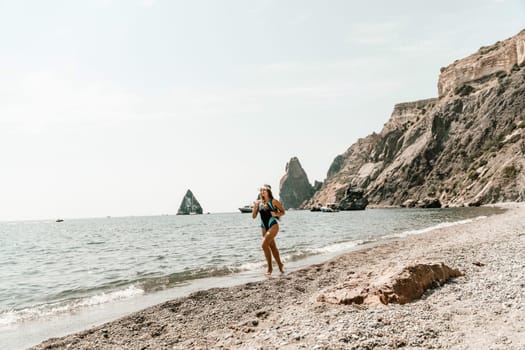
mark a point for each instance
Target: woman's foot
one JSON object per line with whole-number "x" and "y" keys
{"x": 268, "y": 273}
{"x": 281, "y": 267}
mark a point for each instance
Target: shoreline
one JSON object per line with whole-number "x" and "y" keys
{"x": 283, "y": 311}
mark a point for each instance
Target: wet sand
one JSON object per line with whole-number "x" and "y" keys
{"x": 483, "y": 309}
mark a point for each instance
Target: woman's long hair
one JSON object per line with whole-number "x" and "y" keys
{"x": 268, "y": 189}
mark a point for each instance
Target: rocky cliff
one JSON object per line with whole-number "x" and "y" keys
{"x": 466, "y": 147}
{"x": 189, "y": 205}
{"x": 294, "y": 187}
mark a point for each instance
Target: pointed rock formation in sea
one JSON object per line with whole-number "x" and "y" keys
{"x": 189, "y": 205}
{"x": 464, "y": 148}
{"x": 294, "y": 187}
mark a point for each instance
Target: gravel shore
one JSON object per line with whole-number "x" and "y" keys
{"x": 483, "y": 309}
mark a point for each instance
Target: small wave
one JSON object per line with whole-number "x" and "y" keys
{"x": 254, "y": 266}
{"x": 11, "y": 317}
{"x": 72, "y": 300}
{"x": 300, "y": 254}
{"x": 95, "y": 242}
{"x": 329, "y": 249}
{"x": 341, "y": 246}
{"x": 435, "y": 227}
{"x": 153, "y": 284}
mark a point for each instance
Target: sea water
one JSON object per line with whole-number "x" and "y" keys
{"x": 57, "y": 278}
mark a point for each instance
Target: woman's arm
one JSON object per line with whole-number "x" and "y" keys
{"x": 280, "y": 210}
{"x": 255, "y": 209}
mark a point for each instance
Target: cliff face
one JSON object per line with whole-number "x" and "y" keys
{"x": 189, "y": 205}
{"x": 466, "y": 147}
{"x": 294, "y": 185}
{"x": 479, "y": 67}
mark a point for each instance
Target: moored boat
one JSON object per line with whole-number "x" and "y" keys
{"x": 246, "y": 209}
{"x": 328, "y": 208}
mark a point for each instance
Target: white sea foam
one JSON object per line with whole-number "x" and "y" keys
{"x": 43, "y": 311}
{"x": 8, "y": 318}
{"x": 303, "y": 254}
{"x": 345, "y": 246}
{"x": 338, "y": 247}
{"x": 331, "y": 249}
{"x": 254, "y": 266}
{"x": 435, "y": 227}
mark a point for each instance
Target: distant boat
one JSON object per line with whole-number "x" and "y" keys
{"x": 328, "y": 208}
{"x": 59, "y": 220}
{"x": 246, "y": 209}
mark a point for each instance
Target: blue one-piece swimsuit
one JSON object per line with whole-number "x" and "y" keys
{"x": 267, "y": 220}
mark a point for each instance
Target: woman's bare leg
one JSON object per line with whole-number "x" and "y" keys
{"x": 276, "y": 256}
{"x": 269, "y": 247}
{"x": 267, "y": 252}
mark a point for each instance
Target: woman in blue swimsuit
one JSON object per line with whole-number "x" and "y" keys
{"x": 270, "y": 210}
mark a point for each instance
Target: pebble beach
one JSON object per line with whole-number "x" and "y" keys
{"x": 482, "y": 309}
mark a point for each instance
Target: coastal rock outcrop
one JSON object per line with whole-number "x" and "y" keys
{"x": 353, "y": 199}
{"x": 294, "y": 187}
{"x": 422, "y": 203}
{"x": 465, "y": 148}
{"x": 189, "y": 205}
{"x": 399, "y": 287}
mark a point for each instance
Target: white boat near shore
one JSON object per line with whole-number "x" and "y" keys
{"x": 328, "y": 208}
{"x": 246, "y": 209}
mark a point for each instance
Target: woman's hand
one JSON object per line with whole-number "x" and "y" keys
{"x": 255, "y": 209}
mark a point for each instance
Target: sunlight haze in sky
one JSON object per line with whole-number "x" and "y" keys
{"x": 115, "y": 108}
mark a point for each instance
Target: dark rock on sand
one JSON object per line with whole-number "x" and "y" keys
{"x": 398, "y": 287}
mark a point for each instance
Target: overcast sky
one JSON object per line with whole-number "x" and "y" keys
{"x": 118, "y": 107}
